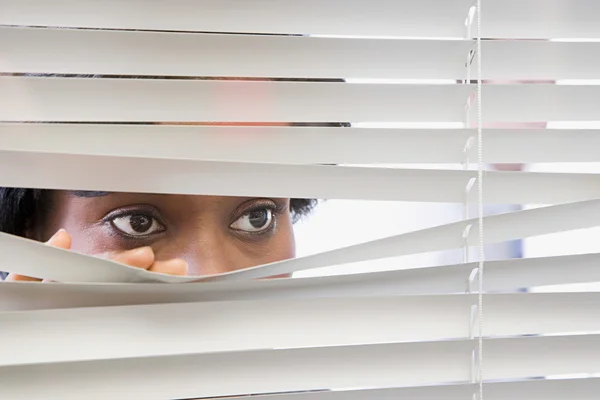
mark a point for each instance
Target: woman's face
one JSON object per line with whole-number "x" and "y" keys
{"x": 213, "y": 234}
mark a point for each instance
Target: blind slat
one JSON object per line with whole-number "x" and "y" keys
{"x": 157, "y": 175}
{"x": 503, "y": 275}
{"x": 142, "y": 100}
{"x": 556, "y": 389}
{"x": 31, "y": 258}
{"x": 536, "y": 389}
{"x": 356, "y": 17}
{"x": 502, "y": 19}
{"x": 75, "y": 99}
{"x": 284, "y": 324}
{"x": 304, "y": 145}
{"x": 382, "y": 365}
{"x": 69, "y": 51}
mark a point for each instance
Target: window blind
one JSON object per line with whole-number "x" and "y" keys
{"x": 191, "y": 79}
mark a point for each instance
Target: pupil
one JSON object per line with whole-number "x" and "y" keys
{"x": 140, "y": 223}
{"x": 259, "y": 218}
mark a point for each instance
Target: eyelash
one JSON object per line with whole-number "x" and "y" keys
{"x": 129, "y": 212}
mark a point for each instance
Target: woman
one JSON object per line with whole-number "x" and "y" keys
{"x": 174, "y": 234}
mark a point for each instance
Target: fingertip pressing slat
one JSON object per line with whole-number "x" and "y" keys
{"x": 61, "y": 265}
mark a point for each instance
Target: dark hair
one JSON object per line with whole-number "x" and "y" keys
{"x": 21, "y": 209}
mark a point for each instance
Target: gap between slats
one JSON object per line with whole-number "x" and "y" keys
{"x": 29, "y": 258}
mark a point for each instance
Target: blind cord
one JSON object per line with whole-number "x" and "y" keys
{"x": 480, "y": 200}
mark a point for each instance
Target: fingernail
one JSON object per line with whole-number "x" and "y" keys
{"x": 141, "y": 251}
{"x": 58, "y": 232}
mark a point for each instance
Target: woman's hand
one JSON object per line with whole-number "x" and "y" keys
{"x": 142, "y": 257}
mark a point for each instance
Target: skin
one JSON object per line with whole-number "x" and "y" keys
{"x": 173, "y": 234}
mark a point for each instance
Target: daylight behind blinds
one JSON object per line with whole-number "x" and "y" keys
{"x": 173, "y": 90}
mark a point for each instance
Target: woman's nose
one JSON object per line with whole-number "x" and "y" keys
{"x": 208, "y": 262}
{"x": 213, "y": 254}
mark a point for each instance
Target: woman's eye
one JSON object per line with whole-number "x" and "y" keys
{"x": 254, "y": 221}
{"x": 137, "y": 224}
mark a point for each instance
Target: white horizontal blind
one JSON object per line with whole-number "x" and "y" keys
{"x": 191, "y": 78}
{"x": 426, "y": 18}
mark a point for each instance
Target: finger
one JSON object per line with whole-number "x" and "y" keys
{"x": 142, "y": 257}
{"x": 14, "y": 277}
{"x": 60, "y": 239}
{"x": 278, "y": 276}
{"x": 176, "y": 266}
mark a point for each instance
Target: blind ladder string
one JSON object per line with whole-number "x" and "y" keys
{"x": 480, "y": 167}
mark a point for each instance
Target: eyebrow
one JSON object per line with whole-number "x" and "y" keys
{"x": 87, "y": 193}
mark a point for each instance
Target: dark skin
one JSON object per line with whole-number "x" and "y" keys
{"x": 175, "y": 234}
